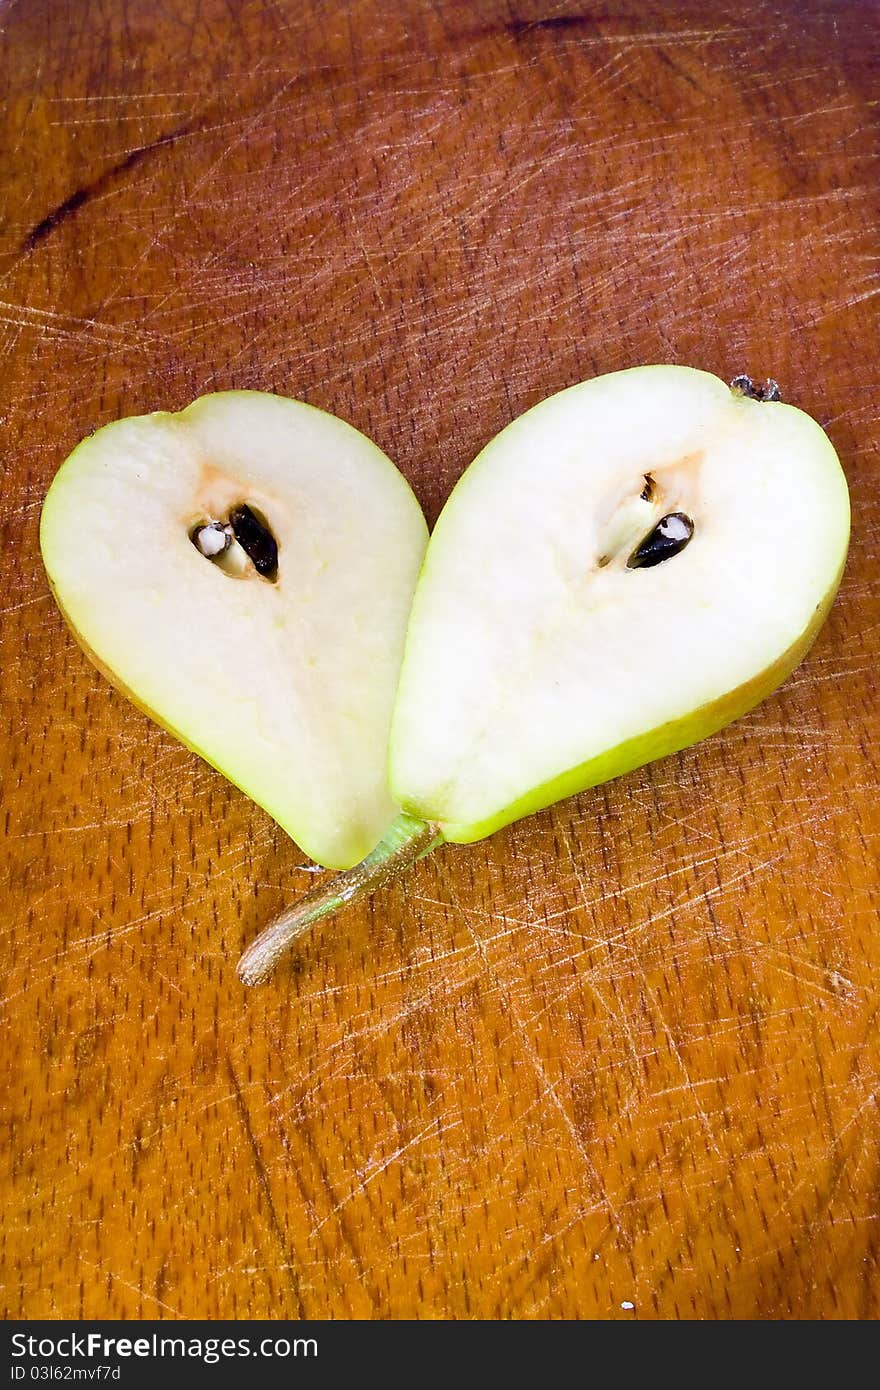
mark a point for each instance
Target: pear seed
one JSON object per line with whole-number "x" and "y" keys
{"x": 256, "y": 540}
{"x": 211, "y": 538}
{"x": 669, "y": 536}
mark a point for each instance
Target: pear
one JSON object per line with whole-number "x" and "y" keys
{"x": 244, "y": 571}
{"x": 622, "y": 571}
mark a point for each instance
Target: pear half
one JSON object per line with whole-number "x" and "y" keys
{"x": 244, "y": 571}
{"x": 545, "y": 654}
{"x": 622, "y": 571}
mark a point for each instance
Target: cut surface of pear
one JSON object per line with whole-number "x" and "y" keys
{"x": 282, "y": 675}
{"x": 544, "y": 655}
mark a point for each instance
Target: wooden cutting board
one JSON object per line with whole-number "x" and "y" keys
{"x": 621, "y": 1060}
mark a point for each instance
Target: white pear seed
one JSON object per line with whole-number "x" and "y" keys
{"x": 212, "y": 539}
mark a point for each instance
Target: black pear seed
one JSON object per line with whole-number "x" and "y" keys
{"x": 669, "y": 536}
{"x": 256, "y": 540}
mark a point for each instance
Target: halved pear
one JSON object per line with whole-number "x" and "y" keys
{"x": 244, "y": 571}
{"x": 544, "y": 654}
{"x": 622, "y": 571}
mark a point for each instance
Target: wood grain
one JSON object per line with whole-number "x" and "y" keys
{"x": 626, "y": 1052}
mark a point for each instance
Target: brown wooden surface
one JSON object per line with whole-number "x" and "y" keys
{"x": 624, "y": 1052}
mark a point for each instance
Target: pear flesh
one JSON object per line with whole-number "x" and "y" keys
{"x": 543, "y": 657}
{"x": 283, "y": 678}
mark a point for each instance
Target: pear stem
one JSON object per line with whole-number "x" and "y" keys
{"x": 405, "y": 841}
